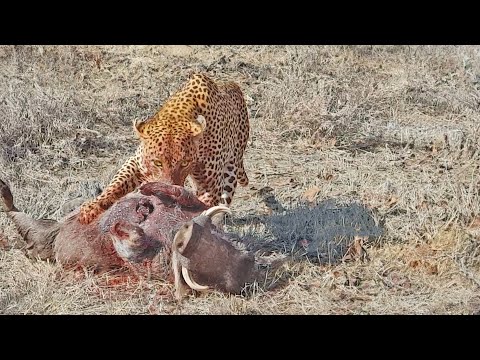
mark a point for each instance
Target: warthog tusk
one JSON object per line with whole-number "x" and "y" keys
{"x": 216, "y": 210}
{"x": 190, "y": 282}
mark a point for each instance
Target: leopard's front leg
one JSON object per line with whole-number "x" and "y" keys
{"x": 127, "y": 179}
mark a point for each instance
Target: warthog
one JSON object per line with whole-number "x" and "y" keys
{"x": 160, "y": 230}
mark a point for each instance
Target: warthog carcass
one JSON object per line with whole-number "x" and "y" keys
{"x": 156, "y": 230}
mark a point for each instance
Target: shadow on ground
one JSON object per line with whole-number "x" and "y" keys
{"x": 326, "y": 234}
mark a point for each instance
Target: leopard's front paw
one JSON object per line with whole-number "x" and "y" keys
{"x": 89, "y": 211}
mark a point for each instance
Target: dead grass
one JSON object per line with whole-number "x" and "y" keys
{"x": 392, "y": 128}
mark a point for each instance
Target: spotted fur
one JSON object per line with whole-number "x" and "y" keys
{"x": 201, "y": 132}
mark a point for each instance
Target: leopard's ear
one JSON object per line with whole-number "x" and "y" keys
{"x": 198, "y": 125}
{"x": 139, "y": 128}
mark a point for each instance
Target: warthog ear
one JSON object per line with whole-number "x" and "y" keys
{"x": 126, "y": 230}
{"x": 121, "y": 229}
{"x": 198, "y": 125}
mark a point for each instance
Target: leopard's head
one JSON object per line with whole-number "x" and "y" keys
{"x": 169, "y": 146}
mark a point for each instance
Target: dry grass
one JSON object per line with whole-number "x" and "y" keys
{"x": 392, "y": 128}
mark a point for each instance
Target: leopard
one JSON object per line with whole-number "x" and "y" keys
{"x": 200, "y": 132}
